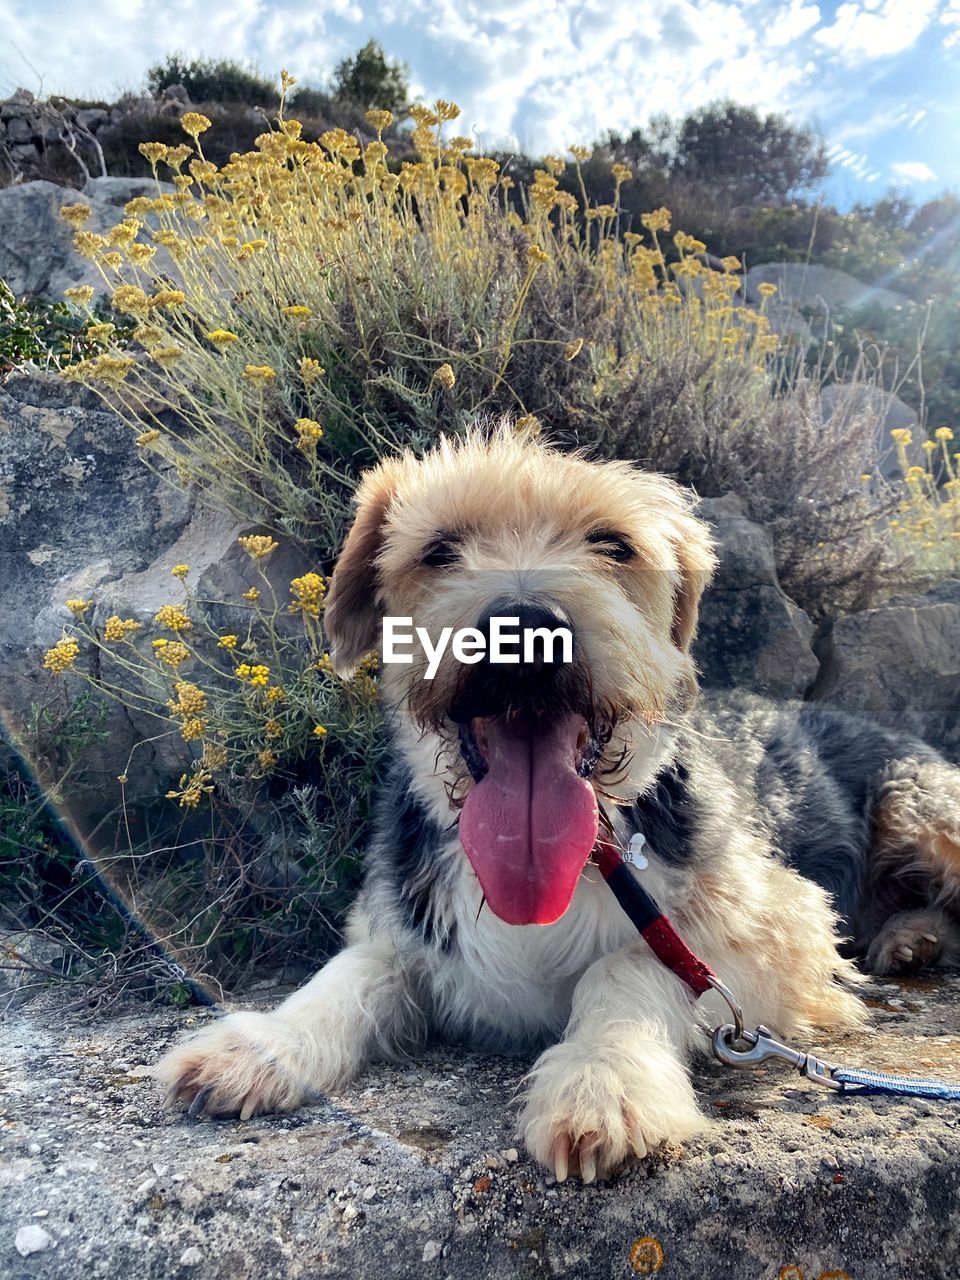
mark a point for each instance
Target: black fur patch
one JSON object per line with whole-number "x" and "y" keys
{"x": 407, "y": 853}
{"x": 667, "y": 815}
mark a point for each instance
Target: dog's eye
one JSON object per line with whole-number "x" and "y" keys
{"x": 613, "y": 545}
{"x": 442, "y": 552}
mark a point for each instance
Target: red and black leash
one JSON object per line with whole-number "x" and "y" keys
{"x": 656, "y": 929}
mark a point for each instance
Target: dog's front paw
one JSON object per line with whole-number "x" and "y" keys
{"x": 588, "y": 1111}
{"x": 907, "y": 942}
{"x": 244, "y": 1064}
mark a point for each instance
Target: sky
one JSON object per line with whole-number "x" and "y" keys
{"x": 879, "y": 78}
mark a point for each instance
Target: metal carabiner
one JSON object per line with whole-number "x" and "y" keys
{"x": 763, "y": 1046}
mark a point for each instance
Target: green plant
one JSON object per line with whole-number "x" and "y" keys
{"x": 212, "y": 80}
{"x": 50, "y": 334}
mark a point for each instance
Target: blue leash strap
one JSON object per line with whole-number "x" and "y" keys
{"x": 858, "y": 1081}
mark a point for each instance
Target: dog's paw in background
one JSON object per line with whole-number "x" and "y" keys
{"x": 243, "y": 1064}
{"x": 912, "y": 940}
{"x": 589, "y": 1110}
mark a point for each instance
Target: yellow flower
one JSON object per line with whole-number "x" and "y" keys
{"x": 253, "y": 595}
{"x": 194, "y": 123}
{"x": 902, "y": 435}
{"x": 166, "y": 355}
{"x": 379, "y": 120}
{"x": 154, "y": 151}
{"x": 62, "y": 656}
{"x": 266, "y": 759}
{"x": 261, "y": 373}
{"x": 214, "y": 756}
{"x": 928, "y": 446}
{"x": 297, "y": 311}
{"x": 81, "y": 293}
{"x": 192, "y": 792}
{"x": 309, "y": 432}
{"x": 259, "y": 676}
{"x": 192, "y": 730}
{"x": 943, "y": 433}
{"x": 130, "y": 299}
{"x": 536, "y": 255}
{"x": 87, "y": 244}
{"x": 730, "y": 263}
{"x": 119, "y": 628}
{"x": 170, "y": 652}
{"x": 319, "y": 731}
{"x": 310, "y": 371}
{"x": 308, "y": 592}
{"x": 149, "y": 334}
{"x": 141, "y": 254}
{"x": 191, "y": 699}
{"x": 78, "y": 607}
{"x": 227, "y": 642}
{"x": 445, "y": 376}
{"x": 274, "y": 694}
{"x": 75, "y": 214}
{"x": 658, "y": 220}
{"x": 766, "y": 289}
{"x": 173, "y": 618}
{"x": 258, "y": 547}
{"x": 100, "y": 332}
{"x": 222, "y": 337}
{"x": 167, "y": 298}
{"x": 621, "y": 173}
{"x": 148, "y": 437}
{"x": 180, "y": 571}
{"x": 273, "y": 728}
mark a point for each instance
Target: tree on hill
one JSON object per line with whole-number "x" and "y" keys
{"x": 754, "y": 158}
{"x": 373, "y": 80}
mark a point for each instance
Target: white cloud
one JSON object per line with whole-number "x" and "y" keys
{"x": 912, "y": 171}
{"x": 866, "y": 29}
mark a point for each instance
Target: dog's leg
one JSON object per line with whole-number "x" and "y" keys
{"x": 360, "y": 1005}
{"x": 910, "y": 914}
{"x": 617, "y": 1084}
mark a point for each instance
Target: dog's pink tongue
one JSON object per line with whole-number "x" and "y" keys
{"x": 530, "y": 825}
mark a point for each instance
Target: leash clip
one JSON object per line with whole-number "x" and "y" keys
{"x": 763, "y": 1046}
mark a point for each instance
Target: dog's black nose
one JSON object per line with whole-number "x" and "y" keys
{"x": 536, "y": 643}
{"x": 535, "y": 625}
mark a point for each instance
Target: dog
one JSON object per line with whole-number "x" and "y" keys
{"x": 772, "y": 832}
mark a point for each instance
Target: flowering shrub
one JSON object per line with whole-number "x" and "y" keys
{"x": 927, "y": 520}
{"x": 303, "y": 309}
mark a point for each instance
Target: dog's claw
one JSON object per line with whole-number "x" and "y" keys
{"x": 195, "y": 1109}
{"x": 588, "y": 1164}
{"x": 248, "y": 1108}
{"x": 561, "y": 1156}
{"x": 931, "y": 938}
{"x": 904, "y": 953}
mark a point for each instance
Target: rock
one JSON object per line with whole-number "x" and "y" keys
{"x": 273, "y": 1212}
{"x": 32, "y": 1239}
{"x": 752, "y": 636}
{"x": 92, "y": 118}
{"x": 36, "y": 246}
{"x": 23, "y": 155}
{"x": 176, "y": 93}
{"x": 823, "y": 288}
{"x": 19, "y": 129}
{"x": 899, "y": 664}
{"x": 882, "y": 408}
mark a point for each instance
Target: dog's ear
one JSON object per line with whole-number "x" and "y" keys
{"x": 351, "y": 618}
{"x": 694, "y": 546}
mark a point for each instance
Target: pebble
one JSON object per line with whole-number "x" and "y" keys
{"x": 511, "y": 1155}
{"x": 369, "y": 1193}
{"x": 830, "y": 1162}
{"x": 350, "y": 1211}
{"x": 721, "y": 1158}
{"x": 191, "y": 1257}
{"x": 32, "y": 1239}
{"x": 431, "y": 1250}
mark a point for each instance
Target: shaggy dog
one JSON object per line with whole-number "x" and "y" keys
{"x": 772, "y": 832}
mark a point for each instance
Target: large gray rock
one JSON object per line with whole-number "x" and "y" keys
{"x": 880, "y": 412}
{"x": 415, "y": 1171}
{"x": 752, "y": 636}
{"x": 899, "y": 664}
{"x": 823, "y": 288}
{"x": 36, "y": 246}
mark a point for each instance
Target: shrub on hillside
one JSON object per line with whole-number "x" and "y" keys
{"x": 213, "y": 80}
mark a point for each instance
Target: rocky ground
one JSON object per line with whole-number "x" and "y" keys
{"x": 415, "y": 1169}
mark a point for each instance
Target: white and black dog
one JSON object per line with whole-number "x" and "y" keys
{"x": 772, "y": 832}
